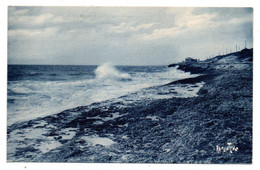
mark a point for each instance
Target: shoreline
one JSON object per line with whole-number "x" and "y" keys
{"x": 175, "y": 130}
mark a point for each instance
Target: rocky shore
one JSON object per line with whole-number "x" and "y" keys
{"x": 213, "y": 127}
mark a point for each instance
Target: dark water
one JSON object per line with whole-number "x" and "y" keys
{"x": 120, "y": 118}
{"x": 40, "y": 90}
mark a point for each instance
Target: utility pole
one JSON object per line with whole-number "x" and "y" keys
{"x": 236, "y": 48}
{"x": 245, "y": 44}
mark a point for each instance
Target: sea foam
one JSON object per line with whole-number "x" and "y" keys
{"x": 31, "y": 98}
{"x": 108, "y": 71}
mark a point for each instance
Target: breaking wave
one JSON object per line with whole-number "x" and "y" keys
{"x": 54, "y": 91}
{"x": 109, "y": 72}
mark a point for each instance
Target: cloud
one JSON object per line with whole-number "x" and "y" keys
{"x": 92, "y": 35}
{"x": 26, "y": 21}
{"x": 130, "y": 27}
{"x": 185, "y": 23}
{"x": 33, "y": 33}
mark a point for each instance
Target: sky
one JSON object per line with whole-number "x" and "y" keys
{"x": 124, "y": 35}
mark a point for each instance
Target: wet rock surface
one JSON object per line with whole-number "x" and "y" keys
{"x": 175, "y": 130}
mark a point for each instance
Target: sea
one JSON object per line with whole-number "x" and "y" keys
{"x": 41, "y": 90}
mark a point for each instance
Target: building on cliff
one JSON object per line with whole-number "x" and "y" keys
{"x": 191, "y": 60}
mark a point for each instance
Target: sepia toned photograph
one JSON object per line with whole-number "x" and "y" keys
{"x": 96, "y": 84}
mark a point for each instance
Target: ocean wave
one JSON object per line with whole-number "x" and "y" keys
{"x": 50, "y": 95}
{"x": 109, "y": 72}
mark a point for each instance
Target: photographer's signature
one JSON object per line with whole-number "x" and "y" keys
{"x": 229, "y": 148}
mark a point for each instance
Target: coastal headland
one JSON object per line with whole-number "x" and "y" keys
{"x": 215, "y": 126}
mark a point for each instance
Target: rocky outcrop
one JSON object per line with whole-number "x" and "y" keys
{"x": 213, "y": 127}
{"x": 228, "y": 61}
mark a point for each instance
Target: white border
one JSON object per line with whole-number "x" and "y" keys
{"x": 175, "y": 3}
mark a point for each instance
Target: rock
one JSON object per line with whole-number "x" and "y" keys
{"x": 186, "y": 130}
